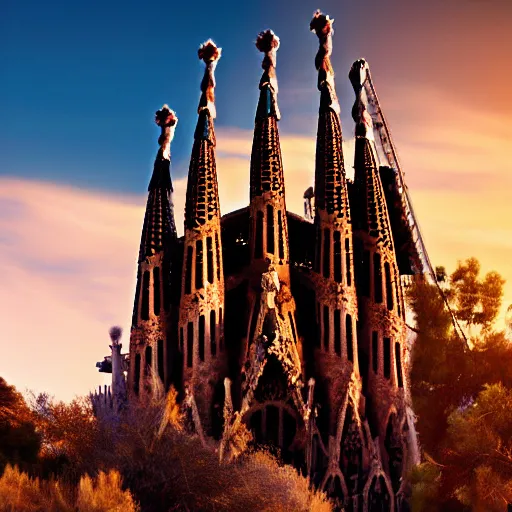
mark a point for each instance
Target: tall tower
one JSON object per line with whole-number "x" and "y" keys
{"x": 336, "y": 361}
{"x": 149, "y": 340}
{"x": 381, "y": 311}
{"x": 202, "y": 294}
{"x": 268, "y": 239}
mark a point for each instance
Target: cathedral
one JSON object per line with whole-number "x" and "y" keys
{"x": 290, "y": 327}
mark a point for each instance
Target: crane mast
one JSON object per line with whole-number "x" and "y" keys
{"x": 388, "y": 156}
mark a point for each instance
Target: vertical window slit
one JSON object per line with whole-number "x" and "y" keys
{"x": 337, "y": 332}
{"x": 217, "y": 249}
{"x": 337, "y": 257}
{"x": 201, "y": 337}
{"x": 347, "y": 262}
{"x": 199, "y": 264}
{"x": 398, "y": 359}
{"x": 258, "y": 245}
{"x": 145, "y": 296}
{"x": 350, "y": 341}
{"x": 389, "y": 287}
{"x": 326, "y": 328}
{"x": 135, "y": 317}
{"x": 156, "y": 291}
{"x": 387, "y": 358}
{"x": 188, "y": 270}
{"x": 270, "y": 229}
{"x": 213, "y": 333}
{"x": 281, "y": 239}
{"x": 181, "y": 339}
{"x": 221, "y": 331}
{"x": 377, "y": 278}
{"x": 327, "y": 252}
{"x": 190, "y": 344}
{"x": 209, "y": 258}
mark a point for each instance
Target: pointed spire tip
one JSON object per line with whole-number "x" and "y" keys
{"x": 209, "y": 52}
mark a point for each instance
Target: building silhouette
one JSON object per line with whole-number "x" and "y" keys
{"x": 294, "y": 327}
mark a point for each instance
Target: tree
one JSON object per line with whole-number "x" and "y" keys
{"x": 19, "y": 441}
{"x": 481, "y": 449}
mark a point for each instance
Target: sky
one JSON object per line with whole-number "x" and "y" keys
{"x": 79, "y": 85}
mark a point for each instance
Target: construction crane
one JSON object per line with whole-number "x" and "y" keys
{"x": 387, "y": 154}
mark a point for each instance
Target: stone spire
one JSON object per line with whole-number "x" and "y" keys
{"x": 269, "y": 228}
{"x": 336, "y": 354}
{"x": 202, "y": 294}
{"x": 381, "y": 312}
{"x": 149, "y": 342}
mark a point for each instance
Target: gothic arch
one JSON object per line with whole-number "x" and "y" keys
{"x": 377, "y": 494}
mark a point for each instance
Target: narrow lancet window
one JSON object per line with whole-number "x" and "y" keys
{"x": 375, "y": 351}
{"x": 337, "y": 257}
{"x": 209, "y": 258}
{"x": 135, "y": 317}
{"x": 188, "y": 270}
{"x": 350, "y": 341}
{"x": 337, "y": 332}
{"x": 181, "y": 339}
{"x": 377, "y": 278}
{"x": 270, "y": 229}
{"x": 258, "y": 245}
{"x": 199, "y": 264}
{"x": 217, "y": 249}
{"x": 156, "y": 291}
{"x": 318, "y": 250}
{"x": 221, "y": 334}
{"x": 326, "y": 328}
{"x": 190, "y": 344}
{"x": 398, "y": 359}
{"x": 389, "y": 286}
{"x": 281, "y": 239}
{"x": 201, "y": 337}
{"x": 387, "y": 358}
{"x": 327, "y": 252}
{"x": 166, "y": 274}
{"x": 144, "y": 314}
{"x": 347, "y": 262}
{"x": 213, "y": 333}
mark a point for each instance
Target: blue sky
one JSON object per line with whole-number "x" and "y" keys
{"x": 82, "y": 79}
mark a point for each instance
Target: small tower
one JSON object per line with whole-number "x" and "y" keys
{"x": 268, "y": 239}
{"x": 149, "y": 340}
{"x": 202, "y": 293}
{"x": 118, "y": 368}
{"x": 381, "y": 311}
{"x": 336, "y": 361}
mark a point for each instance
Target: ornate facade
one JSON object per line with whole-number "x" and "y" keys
{"x": 294, "y": 327}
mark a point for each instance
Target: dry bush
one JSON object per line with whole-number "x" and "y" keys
{"x": 20, "y": 493}
{"x": 168, "y": 469}
{"x": 104, "y": 493}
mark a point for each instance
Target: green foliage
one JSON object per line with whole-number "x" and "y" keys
{"x": 461, "y": 395}
{"x": 481, "y": 449}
